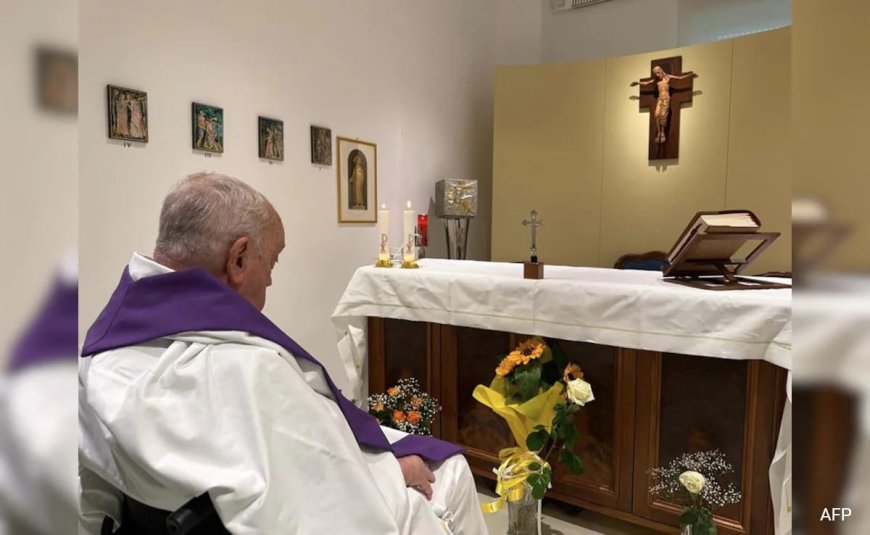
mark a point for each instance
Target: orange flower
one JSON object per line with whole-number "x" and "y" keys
{"x": 414, "y": 417}
{"x": 394, "y": 391}
{"x": 398, "y": 416}
{"x": 572, "y": 371}
{"x": 378, "y": 407}
{"x": 417, "y": 403}
{"x": 530, "y": 350}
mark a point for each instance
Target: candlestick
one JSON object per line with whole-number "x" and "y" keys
{"x": 384, "y": 238}
{"x": 409, "y": 256}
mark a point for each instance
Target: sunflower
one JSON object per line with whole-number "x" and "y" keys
{"x": 528, "y": 351}
{"x": 572, "y": 371}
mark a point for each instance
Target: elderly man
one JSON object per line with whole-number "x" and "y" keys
{"x": 187, "y": 388}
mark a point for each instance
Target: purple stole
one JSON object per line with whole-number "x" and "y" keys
{"x": 53, "y": 334}
{"x": 193, "y": 300}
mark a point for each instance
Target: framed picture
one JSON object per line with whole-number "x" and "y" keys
{"x": 271, "y": 138}
{"x": 208, "y": 128}
{"x": 57, "y": 82}
{"x": 357, "y": 181}
{"x": 127, "y": 113}
{"x": 321, "y": 145}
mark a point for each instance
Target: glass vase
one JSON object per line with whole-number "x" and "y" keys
{"x": 524, "y": 515}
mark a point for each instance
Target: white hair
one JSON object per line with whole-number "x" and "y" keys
{"x": 204, "y": 213}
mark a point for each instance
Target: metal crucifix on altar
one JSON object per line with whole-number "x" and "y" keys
{"x": 534, "y": 223}
{"x": 533, "y": 269}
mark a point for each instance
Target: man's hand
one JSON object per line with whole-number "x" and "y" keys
{"x": 417, "y": 474}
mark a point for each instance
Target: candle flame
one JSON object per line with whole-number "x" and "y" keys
{"x": 409, "y": 205}
{"x": 384, "y": 206}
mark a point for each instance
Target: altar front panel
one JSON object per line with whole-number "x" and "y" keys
{"x": 649, "y": 408}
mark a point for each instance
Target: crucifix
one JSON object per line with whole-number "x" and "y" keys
{"x": 534, "y": 223}
{"x": 664, "y": 93}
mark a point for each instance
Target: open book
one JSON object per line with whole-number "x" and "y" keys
{"x": 740, "y": 221}
{"x": 715, "y": 248}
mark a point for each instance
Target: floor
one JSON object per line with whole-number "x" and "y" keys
{"x": 563, "y": 520}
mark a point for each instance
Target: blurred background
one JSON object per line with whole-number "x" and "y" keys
{"x": 831, "y": 244}
{"x": 39, "y": 213}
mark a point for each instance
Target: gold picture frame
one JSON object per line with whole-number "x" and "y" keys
{"x": 357, "y": 181}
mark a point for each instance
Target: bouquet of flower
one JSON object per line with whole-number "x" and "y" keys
{"x": 691, "y": 479}
{"x": 537, "y": 391}
{"x": 405, "y": 407}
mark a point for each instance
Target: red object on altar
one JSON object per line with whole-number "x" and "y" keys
{"x": 423, "y": 229}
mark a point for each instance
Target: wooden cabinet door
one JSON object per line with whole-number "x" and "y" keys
{"x": 686, "y": 404}
{"x": 470, "y": 357}
{"x": 400, "y": 349}
{"x": 607, "y": 432}
{"x": 606, "y": 426}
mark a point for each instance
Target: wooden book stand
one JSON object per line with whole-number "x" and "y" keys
{"x": 706, "y": 260}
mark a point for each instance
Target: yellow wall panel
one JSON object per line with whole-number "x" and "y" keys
{"x": 547, "y": 156}
{"x": 571, "y": 142}
{"x": 646, "y": 204}
{"x": 759, "y": 166}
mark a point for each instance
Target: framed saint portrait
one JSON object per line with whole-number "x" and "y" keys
{"x": 208, "y": 128}
{"x": 271, "y": 139}
{"x": 127, "y": 114}
{"x": 357, "y": 181}
{"x": 321, "y": 145}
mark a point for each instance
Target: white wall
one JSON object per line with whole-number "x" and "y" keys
{"x": 39, "y": 151}
{"x": 414, "y": 77}
{"x": 614, "y": 28}
{"x": 621, "y": 27}
{"x": 702, "y": 21}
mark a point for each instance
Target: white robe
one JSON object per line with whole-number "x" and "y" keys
{"x": 37, "y": 468}
{"x": 240, "y": 417}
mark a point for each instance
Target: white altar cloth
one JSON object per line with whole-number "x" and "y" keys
{"x": 624, "y": 308}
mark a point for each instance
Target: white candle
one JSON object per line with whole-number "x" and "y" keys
{"x": 384, "y": 234}
{"x": 410, "y": 221}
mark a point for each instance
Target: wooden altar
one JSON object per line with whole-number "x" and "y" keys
{"x": 674, "y": 370}
{"x": 649, "y": 408}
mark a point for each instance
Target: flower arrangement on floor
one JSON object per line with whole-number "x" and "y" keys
{"x": 537, "y": 391}
{"x": 693, "y": 480}
{"x": 406, "y": 407}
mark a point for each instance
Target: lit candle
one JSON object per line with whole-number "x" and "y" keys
{"x": 408, "y": 235}
{"x": 423, "y": 227}
{"x": 384, "y": 234}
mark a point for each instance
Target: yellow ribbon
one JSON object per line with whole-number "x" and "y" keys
{"x": 512, "y": 475}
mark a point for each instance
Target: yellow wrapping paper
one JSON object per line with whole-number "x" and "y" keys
{"x": 521, "y": 418}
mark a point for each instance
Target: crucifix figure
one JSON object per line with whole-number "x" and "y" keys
{"x": 534, "y": 223}
{"x": 664, "y": 94}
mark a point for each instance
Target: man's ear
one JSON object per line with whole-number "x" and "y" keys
{"x": 237, "y": 261}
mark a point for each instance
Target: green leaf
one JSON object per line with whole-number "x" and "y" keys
{"x": 538, "y": 491}
{"x": 534, "y": 479}
{"x": 688, "y": 517}
{"x": 537, "y": 440}
{"x": 573, "y": 462}
{"x": 535, "y": 467}
{"x": 539, "y": 427}
{"x": 527, "y": 380}
{"x": 571, "y": 436}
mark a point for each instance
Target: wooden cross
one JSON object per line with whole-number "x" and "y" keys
{"x": 680, "y": 92}
{"x": 534, "y": 223}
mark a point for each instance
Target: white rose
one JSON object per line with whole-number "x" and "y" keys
{"x": 580, "y": 392}
{"x": 693, "y": 481}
